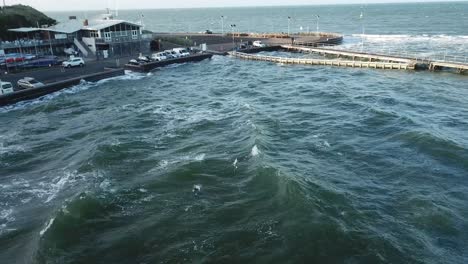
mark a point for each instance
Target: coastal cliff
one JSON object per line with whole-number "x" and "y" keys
{"x": 16, "y": 16}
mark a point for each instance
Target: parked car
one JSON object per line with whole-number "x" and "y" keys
{"x": 28, "y": 83}
{"x": 208, "y": 32}
{"x": 170, "y": 54}
{"x": 134, "y": 62}
{"x": 160, "y": 56}
{"x": 181, "y": 52}
{"x": 144, "y": 59}
{"x": 6, "y": 88}
{"x": 73, "y": 62}
{"x": 174, "y": 54}
{"x": 258, "y": 44}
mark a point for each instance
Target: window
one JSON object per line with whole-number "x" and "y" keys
{"x": 134, "y": 34}
{"x": 94, "y": 34}
{"x": 123, "y": 31}
{"x": 108, "y": 36}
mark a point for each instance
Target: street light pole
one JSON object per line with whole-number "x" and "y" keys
{"x": 222, "y": 24}
{"x": 233, "y": 41}
{"x": 361, "y": 17}
{"x": 318, "y": 20}
{"x": 50, "y": 44}
{"x": 289, "y": 25}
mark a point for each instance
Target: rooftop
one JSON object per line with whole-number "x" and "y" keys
{"x": 74, "y": 25}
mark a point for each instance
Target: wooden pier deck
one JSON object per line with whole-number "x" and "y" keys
{"x": 459, "y": 67}
{"x": 327, "y": 62}
{"x": 417, "y": 63}
{"x": 350, "y": 54}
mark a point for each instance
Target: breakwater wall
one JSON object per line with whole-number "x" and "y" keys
{"x": 146, "y": 67}
{"x": 34, "y": 93}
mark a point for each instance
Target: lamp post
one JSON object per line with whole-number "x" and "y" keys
{"x": 233, "y": 41}
{"x": 289, "y": 25}
{"x": 361, "y": 17}
{"x": 50, "y": 44}
{"x": 222, "y": 24}
{"x": 318, "y": 20}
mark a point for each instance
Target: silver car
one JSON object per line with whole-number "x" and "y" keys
{"x": 29, "y": 83}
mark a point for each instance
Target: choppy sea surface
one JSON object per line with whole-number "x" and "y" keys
{"x": 229, "y": 161}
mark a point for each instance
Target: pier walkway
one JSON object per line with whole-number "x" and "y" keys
{"x": 349, "y": 54}
{"x": 432, "y": 64}
{"x": 327, "y": 62}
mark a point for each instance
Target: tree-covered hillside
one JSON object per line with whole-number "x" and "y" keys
{"x": 16, "y": 16}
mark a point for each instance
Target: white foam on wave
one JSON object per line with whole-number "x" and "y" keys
{"x": 414, "y": 43}
{"x": 49, "y": 224}
{"x": 163, "y": 164}
{"x": 59, "y": 184}
{"x": 235, "y": 163}
{"x": 6, "y": 146}
{"x": 106, "y": 186}
{"x": 409, "y": 37}
{"x": 6, "y": 217}
{"x": 83, "y": 86}
{"x": 255, "y": 151}
{"x": 200, "y": 157}
{"x": 130, "y": 75}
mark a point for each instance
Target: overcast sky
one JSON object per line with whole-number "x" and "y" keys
{"x": 53, "y": 5}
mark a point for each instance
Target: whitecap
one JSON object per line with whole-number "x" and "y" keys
{"x": 248, "y": 106}
{"x": 235, "y": 163}
{"x": 59, "y": 185}
{"x": 106, "y": 186}
{"x": 326, "y": 144}
{"x": 255, "y": 151}
{"x": 163, "y": 163}
{"x": 200, "y": 157}
{"x": 6, "y": 214}
{"x": 197, "y": 188}
{"x": 148, "y": 198}
{"x": 49, "y": 224}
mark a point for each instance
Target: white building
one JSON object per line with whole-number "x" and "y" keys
{"x": 91, "y": 37}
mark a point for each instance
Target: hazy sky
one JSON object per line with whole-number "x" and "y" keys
{"x": 50, "y": 5}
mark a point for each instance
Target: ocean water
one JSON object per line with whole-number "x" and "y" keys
{"x": 229, "y": 161}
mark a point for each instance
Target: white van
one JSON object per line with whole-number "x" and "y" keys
{"x": 258, "y": 44}
{"x": 6, "y": 88}
{"x": 160, "y": 56}
{"x": 181, "y": 52}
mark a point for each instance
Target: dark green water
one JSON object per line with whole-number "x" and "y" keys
{"x": 296, "y": 165}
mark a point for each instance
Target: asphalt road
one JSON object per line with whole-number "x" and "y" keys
{"x": 57, "y": 73}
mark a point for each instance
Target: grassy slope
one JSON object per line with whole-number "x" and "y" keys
{"x": 21, "y": 16}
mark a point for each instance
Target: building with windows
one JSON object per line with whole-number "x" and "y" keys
{"x": 102, "y": 36}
